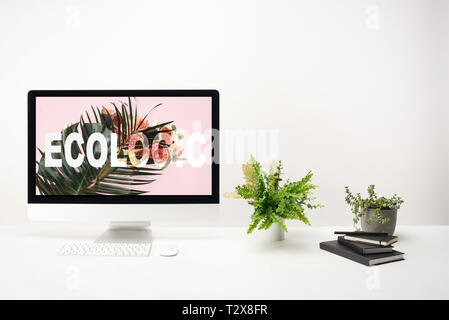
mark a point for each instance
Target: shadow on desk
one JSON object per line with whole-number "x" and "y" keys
{"x": 86, "y": 233}
{"x": 278, "y": 246}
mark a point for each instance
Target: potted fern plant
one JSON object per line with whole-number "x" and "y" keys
{"x": 272, "y": 202}
{"x": 375, "y": 214}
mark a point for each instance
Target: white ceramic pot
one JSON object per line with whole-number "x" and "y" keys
{"x": 275, "y": 233}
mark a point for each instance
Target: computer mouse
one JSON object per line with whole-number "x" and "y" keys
{"x": 168, "y": 251}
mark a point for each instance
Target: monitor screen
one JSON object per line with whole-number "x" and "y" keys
{"x": 130, "y": 146}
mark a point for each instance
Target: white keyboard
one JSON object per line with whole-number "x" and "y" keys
{"x": 106, "y": 249}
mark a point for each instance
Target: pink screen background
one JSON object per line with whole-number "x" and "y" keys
{"x": 55, "y": 113}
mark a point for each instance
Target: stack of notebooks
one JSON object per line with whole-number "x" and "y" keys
{"x": 368, "y": 248}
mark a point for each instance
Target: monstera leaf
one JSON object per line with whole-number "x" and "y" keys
{"x": 107, "y": 180}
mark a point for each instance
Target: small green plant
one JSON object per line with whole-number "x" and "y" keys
{"x": 359, "y": 205}
{"x": 271, "y": 202}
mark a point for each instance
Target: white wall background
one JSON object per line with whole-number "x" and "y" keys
{"x": 358, "y": 98}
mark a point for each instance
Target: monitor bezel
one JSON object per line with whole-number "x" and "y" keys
{"x": 140, "y": 199}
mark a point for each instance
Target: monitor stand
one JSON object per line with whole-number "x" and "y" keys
{"x": 126, "y": 232}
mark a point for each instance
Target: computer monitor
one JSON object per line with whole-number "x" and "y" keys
{"x": 126, "y": 156}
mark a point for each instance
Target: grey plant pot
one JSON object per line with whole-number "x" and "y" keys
{"x": 374, "y": 226}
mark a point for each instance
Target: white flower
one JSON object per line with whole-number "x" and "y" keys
{"x": 274, "y": 167}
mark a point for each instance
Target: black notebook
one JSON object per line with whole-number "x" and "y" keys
{"x": 383, "y": 241}
{"x": 364, "y": 248}
{"x": 367, "y": 260}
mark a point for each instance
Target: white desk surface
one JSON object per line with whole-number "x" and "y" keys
{"x": 215, "y": 263}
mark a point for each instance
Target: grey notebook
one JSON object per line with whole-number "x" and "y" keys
{"x": 364, "y": 248}
{"x": 367, "y": 260}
